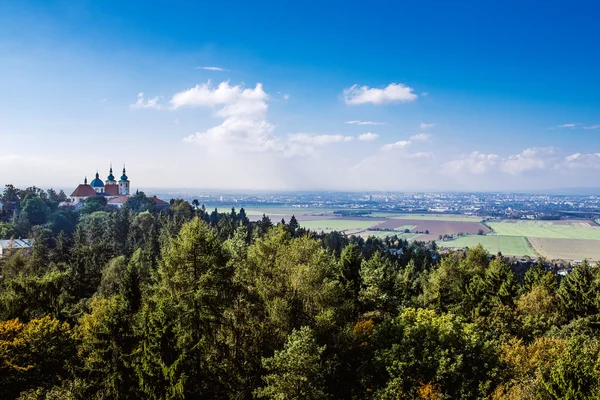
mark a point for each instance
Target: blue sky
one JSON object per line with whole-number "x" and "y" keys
{"x": 465, "y": 95}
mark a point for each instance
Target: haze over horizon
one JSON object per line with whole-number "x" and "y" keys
{"x": 420, "y": 96}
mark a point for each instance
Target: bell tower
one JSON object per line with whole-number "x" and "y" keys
{"x": 124, "y": 184}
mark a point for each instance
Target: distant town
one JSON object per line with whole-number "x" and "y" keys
{"x": 501, "y": 205}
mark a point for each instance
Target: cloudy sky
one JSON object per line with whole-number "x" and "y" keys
{"x": 264, "y": 95}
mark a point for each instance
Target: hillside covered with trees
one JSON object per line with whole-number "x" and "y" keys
{"x": 185, "y": 303}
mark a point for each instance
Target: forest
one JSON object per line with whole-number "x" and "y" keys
{"x": 186, "y": 303}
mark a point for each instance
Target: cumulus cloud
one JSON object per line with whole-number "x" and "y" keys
{"x": 424, "y": 125}
{"x": 244, "y": 128}
{"x": 365, "y": 123}
{"x": 142, "y": 103}
{"x": 244, "y": 134}
{"x": 475, "y": 163}
{"x": 402, "y": 144}
{"x": 318, "y": 140}
{"x": 578, "y": 160}
{"x": 367, "y": 137}
{"x": 420, "y": 136}
{"x": 529, "y": 159}
{"x": 223, "y": 95}
{"x": 393, "y": 92}
{"x": 536, "y": 158}
{"x": 212, "y": 68}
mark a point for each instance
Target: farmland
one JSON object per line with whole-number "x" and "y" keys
{"x": 436, "y": 217}
{"x": 574, "y": 229}
{"x": 562, "y": 239}
{"x": 338, "y": 224}
{"x": 507, "y": 245}
{"x": 567, "y": 249}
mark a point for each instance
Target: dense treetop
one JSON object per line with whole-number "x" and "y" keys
{"x": 189, "y": 303}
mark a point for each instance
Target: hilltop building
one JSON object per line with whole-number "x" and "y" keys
{"x": 116, "y": 192}
{"x": 109, "y": 188}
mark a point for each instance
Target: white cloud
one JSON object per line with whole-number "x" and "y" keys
{"x": 286, "y": 97}
{"x": 365, "y": 123}
{"x": 529, "y": 159}
{"x": 318, "y": 140}
{"x": 367, "y": 137}
{"x": 420, "y": 136}
{"x": 592, "y": 127}
{"x": 225, "y": 94}
{"x": 475, "y": 163}
{"x": 578, "y": 160}
{"x": 212, "y": 68}
{"x": 424, "y": 94}
{"x": 242, "y": 134}
{"x": 150, "y": 103}
{"x": 244, "y": 128}
{"x": 421, "y": 155}
{"x": 364, "y": 94}
{"x": 396, "y": 146}
{"x": 426, "y": 126}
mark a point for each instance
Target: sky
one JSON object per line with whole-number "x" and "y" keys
{"x": 312, "y": 95}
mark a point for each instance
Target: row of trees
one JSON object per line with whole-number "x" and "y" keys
{"x": 191, "y": 304}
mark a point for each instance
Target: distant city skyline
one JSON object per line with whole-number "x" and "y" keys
{"x": 389, "y": 97}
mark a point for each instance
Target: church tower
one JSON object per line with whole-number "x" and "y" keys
{"x": 124, "y": 184}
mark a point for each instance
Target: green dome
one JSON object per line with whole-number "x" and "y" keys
{"x": 97, "y": 182}
{"x": 111, "y": 178}
{"x": 124, "y": 177}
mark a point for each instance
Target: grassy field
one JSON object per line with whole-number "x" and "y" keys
{"x": 508, "y": 245}
{"x": 436, "y": 217}
{"x": 338, "y": 224}
{"x": 567, "y": 249}
{"x": 546, "y": 229}
{"x": 383, "y": 234}
{"x": 403, "y": 227}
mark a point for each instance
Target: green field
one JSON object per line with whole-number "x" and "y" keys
{"x": 383, "y": 234}
{"x": 403, "y": 227}
{"x": 546, "y": 229}
{"x": 338, "y": 224}
{"x": 507, "y": 245}
{"x": 437, "y": 217}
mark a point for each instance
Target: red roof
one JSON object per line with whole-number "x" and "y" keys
{"x": 112, "y": 190}
{"x": 118, "y": 200}
{"x": 158, "y": 201}
{"x": 83, "y": 191}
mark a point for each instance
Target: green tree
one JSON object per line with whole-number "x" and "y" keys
{"x": 107, "y": 343}
{"x": 296, "y": 372}
{"x": 33, "y": 354}
{"x": 577, "y": 292}
{"x": 93, "y": 204}
{"x": 182, "y": 315}
{"x": 35, "y": 210}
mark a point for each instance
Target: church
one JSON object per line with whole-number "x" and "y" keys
{"x": 115, "y": 192}
{"x": 111, "y": 188}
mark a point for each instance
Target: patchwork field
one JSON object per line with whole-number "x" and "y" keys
{"x": 567, "y": 229}
{"x": 507, "y": 245}
{"x": 435, "y": 227}
{"x": 564, "y": 239}
{"x": 567, "y": 249}
{"x": 338, "y": 224}
{"x": 437, "y": 217}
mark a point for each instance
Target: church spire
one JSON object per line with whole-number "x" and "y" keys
{"x": 85, "y": 180}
